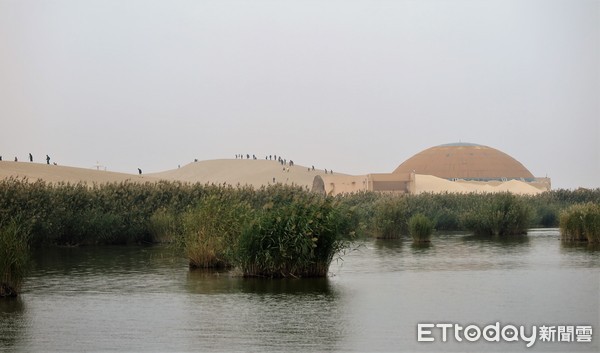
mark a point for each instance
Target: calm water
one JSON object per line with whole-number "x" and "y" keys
{"x": 145, "y": 299}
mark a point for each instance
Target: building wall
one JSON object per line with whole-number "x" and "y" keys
{"x": 410, "y": 183}
{"x": 340, "y": 184}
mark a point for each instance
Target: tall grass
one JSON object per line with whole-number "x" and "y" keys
{"x": 504, "y": 214}
{"x": 212, "y": 229}
{"x": 81, "y": 214}
{"x": 14, "y": 257}
{"x": 125, "y": 213}
{"x": 420, "y": 228}
{"x": 165, "y": 226}
{"x": 299, "y": 238}
{"x": 581, "y": 223}
{"x": 391, "y": 217}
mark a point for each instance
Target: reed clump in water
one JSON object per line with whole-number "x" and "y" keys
{"x": 581, "y": 223}
{"x": 14, "y": 257}
{"x": 504, "y": 214}
{"x": 391, "y": 217}
{"x": 420, "y": 228}
{"x": 211, "y": 230}
{"x": 296, "y": 238}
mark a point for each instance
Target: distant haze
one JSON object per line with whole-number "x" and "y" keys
{"x": 353, "y": 86}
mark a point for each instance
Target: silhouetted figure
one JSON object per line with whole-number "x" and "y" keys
{"x": 48, "y": 159}
{"x": 0, "y": 158}
{"x": 196, "y": 160}
{"x": 247, "y": 156}
{"x": 313, "y": 167}
{"x": 325, "y": 171}
{"x": 140, "y": 171}
{"x": 273, "y": 180}
{"x": 331, "y": 171}
{"x": 16, "y": 159}
{"x": 30, "y": 157}
{"x": 270, "y": 157}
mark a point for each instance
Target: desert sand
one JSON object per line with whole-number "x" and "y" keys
{"x": 57, "y": 174}
{"x": 230, "y": 171}
{"x": 429, "y": 183}
{"x": 237, "y": 172}
{"x": 241, "y": 172}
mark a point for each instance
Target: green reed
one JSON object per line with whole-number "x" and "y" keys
{"x": 298, "y": 237}
{"x": 212, "y": 229}
{"x": 581, "y": 222}
{"x": 420, "y": 228}
{"x": 391, "y": 217}
{"x": 502, "y": 214}
{"x": 14, "y": 257}
{"x": 129, "y": 212}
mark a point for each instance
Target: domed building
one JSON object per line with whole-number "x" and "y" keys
{"x": 466, "y": 161}
{"x": 455, "y": 167}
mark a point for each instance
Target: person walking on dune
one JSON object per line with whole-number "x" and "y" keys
{"x": 30, "y": 157}
{"x": 48, "y": 159}
{"x": 139, "y": 171}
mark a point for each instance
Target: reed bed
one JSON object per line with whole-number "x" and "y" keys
{"x": 391, "y": 217}
{"x": 581, "y": 222}
{"x": 212, "y": 229}
{"x": 420, "y": 228}
{"x": 299, "y": 238}
{"x": 14, "y": 257}
{"x": 505, "y": 214}
{"x": 275, "y": 231}
{"x": 124, "y": 213}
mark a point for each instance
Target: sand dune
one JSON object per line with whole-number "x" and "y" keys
{"x": 236, "y": 172}
{"x": 230, "y": 171}
{"x": 429, "y": 183}
{"x": 241, "y": 172}
{"x": 56, "y": 174}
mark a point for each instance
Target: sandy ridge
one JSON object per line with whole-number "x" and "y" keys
{"x": 236, "y": 172}
{"x": 230, "y": 171}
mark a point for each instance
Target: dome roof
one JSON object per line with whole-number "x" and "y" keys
{"x": 465, "y": 161}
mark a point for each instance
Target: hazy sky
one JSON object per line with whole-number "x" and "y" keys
{"x": 356, "y": 86}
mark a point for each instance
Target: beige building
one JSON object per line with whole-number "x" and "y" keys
{"x": 456, "y": 167}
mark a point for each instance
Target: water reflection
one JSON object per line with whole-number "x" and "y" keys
{"x": 218, "y": 282}
{"x": 262, "y": 314}
{"x": 511, "y": 241}
{"x": 11, "y": 321}
{"x": 583, "y": 246}
{"x": 388, "y": 246}
{"x": 146, "y": 299}
{"x": 581, "y": 254}
{"x": 421, "y": 248}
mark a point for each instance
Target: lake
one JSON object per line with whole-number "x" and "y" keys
{"x": 136, "y": 298}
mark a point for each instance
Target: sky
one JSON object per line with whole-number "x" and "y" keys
{"x": 353, "y": 86}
